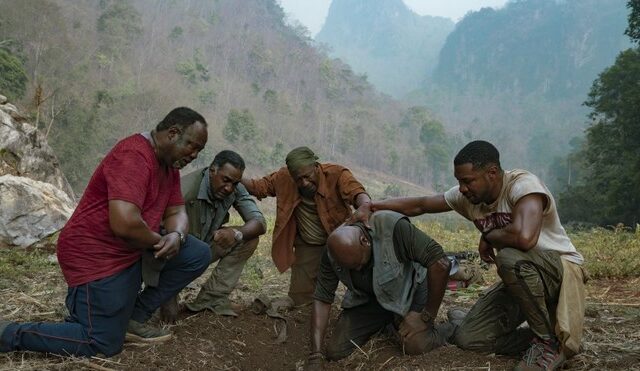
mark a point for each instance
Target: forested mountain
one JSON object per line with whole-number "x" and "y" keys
{"x": 395, "y": 47}
{"x": 602, "y": 176}
{"x": 548, "y": 47}
{"x": 98, "y": 70}
{"x": 518, "y": 75}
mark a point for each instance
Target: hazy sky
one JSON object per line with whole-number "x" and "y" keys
{"x": 312, "y": 13}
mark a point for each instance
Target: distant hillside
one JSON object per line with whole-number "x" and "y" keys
{"x": 551, "y": 48}
{"x": 518, "y": 75}
{"x": 395, "y": 47}
{"x": 101, "y": 70}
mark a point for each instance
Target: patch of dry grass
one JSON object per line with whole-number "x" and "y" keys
{"x": 32, "y": 289}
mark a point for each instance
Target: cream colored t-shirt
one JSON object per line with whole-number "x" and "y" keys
{"x": 515, "y": 185}
{"x": 309, "y": 223}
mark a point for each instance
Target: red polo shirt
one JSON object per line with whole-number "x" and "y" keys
{"x": 87, "y": 248}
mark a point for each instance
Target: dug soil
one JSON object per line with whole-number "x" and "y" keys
{"x": 249, "y": 342}
{"x": 204, "y": 341}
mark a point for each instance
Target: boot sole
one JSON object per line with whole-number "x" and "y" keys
{"x": 129, "y": 337}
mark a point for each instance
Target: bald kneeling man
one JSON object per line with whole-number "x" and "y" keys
{"x": 385, "y": 271}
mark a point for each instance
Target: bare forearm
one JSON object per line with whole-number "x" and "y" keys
{"x": 251, "y": 229}
{"x": 413, "y": 206}
{"x": 509, "y": 236}
{"x": 438, "y": 275}
{"x": 524, "y": 230}
{"x": 319, "y": 321}
{"x": 177, "y": 222}
{"x": 138, "y": 235}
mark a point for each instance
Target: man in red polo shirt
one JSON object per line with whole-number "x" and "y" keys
{"x": 134, "y": 190}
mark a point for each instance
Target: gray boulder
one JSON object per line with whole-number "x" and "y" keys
{"x": 24, "y": 151}
{"x": 31, "y": 210}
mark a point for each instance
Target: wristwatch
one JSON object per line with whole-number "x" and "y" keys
{"x": 426, "y": 317}
{"x": 183, "y": 238}
{"x": 237, "y": 235}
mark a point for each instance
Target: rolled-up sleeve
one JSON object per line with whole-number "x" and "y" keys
{"x": 327, "y": 281}
{"x": 349, "y": 187}
{"x": 263, "y": 187}
{"x": 246, "y": 206}
{"x": 412, "y": 244}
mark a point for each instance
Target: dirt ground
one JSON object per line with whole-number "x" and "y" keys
{"x": 205, "y": 341}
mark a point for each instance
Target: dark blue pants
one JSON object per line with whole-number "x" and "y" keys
{"x": 100, "y": 310}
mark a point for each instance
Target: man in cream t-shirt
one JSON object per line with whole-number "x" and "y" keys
{"x": 515, "y": 185}
{"x": 537, "y": 263}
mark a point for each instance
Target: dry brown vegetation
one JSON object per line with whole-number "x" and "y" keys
{"x": 32, "y": 289}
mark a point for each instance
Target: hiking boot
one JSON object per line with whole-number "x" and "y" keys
{"x": 542, "y": 355}
{"x": 145, "y": 333}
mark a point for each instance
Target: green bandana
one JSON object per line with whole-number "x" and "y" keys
{"x": 300, "y": 157}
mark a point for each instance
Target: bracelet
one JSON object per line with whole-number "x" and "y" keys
{"x": 315, "y": 355}
{"x": 181, "y": 236}
{"x": 426, "y": 317}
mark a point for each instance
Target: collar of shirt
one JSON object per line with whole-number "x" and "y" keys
{"x": 322, "y": 183}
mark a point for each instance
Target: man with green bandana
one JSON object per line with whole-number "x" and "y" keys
{"x": 312, "y": 200}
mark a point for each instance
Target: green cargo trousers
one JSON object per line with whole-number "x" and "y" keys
{"x": 214, "y": 293}
{"x": 529, "y": 291}
{"x": 355, "y": 326}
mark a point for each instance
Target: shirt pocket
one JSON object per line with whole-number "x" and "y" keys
{"x": 387, "y": 280}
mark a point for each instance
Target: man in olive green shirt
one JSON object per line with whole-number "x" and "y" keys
{"x": 385, "y": 271}
{"x": 208, "y": 194}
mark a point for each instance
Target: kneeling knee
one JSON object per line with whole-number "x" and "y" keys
{"x": 199, "y": 255}
{"x": 462, "y": 341}
{"x": 506, "y": 262}
{"x": 466, "y": 342}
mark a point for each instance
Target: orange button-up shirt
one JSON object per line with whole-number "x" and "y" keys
{"x": 337, "y": 192}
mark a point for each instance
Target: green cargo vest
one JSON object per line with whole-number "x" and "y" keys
{"x": 394, "y": 282}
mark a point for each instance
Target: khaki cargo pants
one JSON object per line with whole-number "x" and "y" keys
{"x": 304, "y": 271}
{"x": 529, "y": 291}
{"x": 214, "y": 293}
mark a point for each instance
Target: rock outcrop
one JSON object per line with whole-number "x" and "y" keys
{"x": 24, "y": 151}
{"x": 35, "y": 198}
{"x": 31, "y": 210}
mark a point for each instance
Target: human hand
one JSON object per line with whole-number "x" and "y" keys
{"x": 224, "y": 238}
{"x": 168, "y": 246}
{"x": 314, "y": 362}
{"x": 486, "y": 251}
{"x": 169, "y": 310}
{"x": 411, "y": 325}
{"x": 362, "y": 214}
